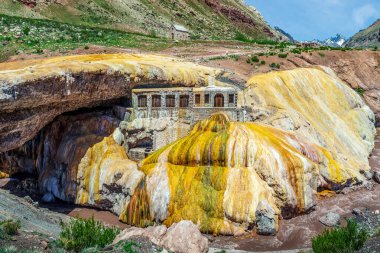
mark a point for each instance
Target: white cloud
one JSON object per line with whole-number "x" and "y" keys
{"x": 362, "y": 14}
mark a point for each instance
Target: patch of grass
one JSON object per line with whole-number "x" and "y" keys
{"x": 340, "y": 240}
{"x": 283, "y": 55}
{"x": 130, "y": 247}
{"x": 12, "y": 249}
{"x": 79, "y": 234}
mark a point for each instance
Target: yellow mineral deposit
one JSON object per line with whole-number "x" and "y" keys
{"x": 106, "y": 166}
{"x": 135, "y": 67}
{"x": 3, "y": 175}
{"x": 321, "y": 108}
{"x": 218, "y": 174}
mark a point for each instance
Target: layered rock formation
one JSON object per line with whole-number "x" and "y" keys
{"x": 33, "y": 93}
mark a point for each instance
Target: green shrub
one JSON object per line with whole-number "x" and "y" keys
{"x": 360, "y": 91}
{"x": 26, "y": 30}
{"x": 241, "y": 37}
{"x": 253, "y": 59}
{"x": 340, "y": 240}
{"x": 262, "y": 62}
{"x": 79, "y": 234}
{"x": 296, "y": 51}
{"x": 283, "y": 55}
{"x": 86, "y": 47}
{"x": 275, "y": 66}
{"x": 10, "y": 227}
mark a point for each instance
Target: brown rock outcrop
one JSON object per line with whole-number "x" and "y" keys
{"x": 33, "y": 93}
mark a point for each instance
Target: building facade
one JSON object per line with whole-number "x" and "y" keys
{"x": 187, "y": 104}
{"x": 164, "y": 115}
{"x": 178, "y": 32}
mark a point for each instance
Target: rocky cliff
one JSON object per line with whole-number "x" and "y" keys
{"x": 204, "y": 18}
{"x": 33, "y": 93}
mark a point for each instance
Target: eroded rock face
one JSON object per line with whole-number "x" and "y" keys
{"x": 34, "y": 92}
{"x": 55, "y": 153}
{"x": 106, "y": 177}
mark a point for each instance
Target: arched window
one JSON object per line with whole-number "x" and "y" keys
{"x": 219, "y": 100}
{"x": 156, "y": 101}
{"x": 170, "y": 101}
{"x": 142, "y": 102}
{"x": 184, "y": 101}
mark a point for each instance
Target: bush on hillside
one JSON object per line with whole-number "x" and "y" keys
{"x": 340, "y": 240}
{"x": 10, "y": 227}
{"x": 79, "y": 234}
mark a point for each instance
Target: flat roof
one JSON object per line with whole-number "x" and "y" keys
{"x": 162, "y": 89}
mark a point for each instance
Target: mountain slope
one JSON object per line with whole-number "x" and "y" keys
{"x": 369, "y": 37}
{"x": 206, "y": 19}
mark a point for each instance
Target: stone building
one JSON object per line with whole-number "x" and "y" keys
{"x": 178, "y": 32}
{"x": 163, "y": 115}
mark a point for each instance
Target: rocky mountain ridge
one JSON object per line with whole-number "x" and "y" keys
{"x": 369, "y": 37}
{"x": 205, "y": 19}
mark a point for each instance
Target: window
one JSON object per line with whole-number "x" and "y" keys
{"x": 170, "y": 101}
{"x": 197, "y": 99}
{"x": 184, "y": 101}
{"x": 231, "y": 98}
{"x": 156, "y": 101}
{"x": 141, "y": 101}
{"x": 219, "y": 100}
{"x": 207, "y": 98}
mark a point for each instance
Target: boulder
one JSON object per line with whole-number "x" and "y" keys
{"x": 376, "y": 176}
{"x": 330, "y": 219}
{"x": 182, "y": 237}
{"x": 266, "y": 219}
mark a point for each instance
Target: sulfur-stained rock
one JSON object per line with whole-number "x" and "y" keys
{"x": 318, "y": 106}
{"x": 218, "y": 175}
{"x": 3, "y": 175}
{"x": 106, "y": 177}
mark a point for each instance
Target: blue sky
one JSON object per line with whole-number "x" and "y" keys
{"x": 318, "y": 19}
